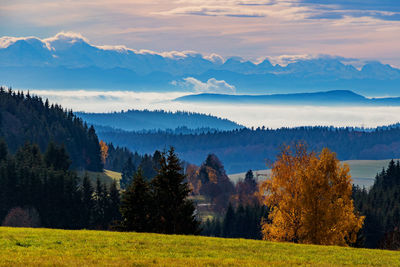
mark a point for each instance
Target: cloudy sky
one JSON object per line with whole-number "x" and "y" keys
{"x": 366, "y": 29}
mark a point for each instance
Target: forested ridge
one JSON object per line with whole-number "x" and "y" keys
{"x": 245, "y": 149}
{"x": 26, "y": 118}
{"x": 137, "y": 120}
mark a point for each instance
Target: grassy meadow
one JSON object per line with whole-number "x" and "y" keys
{"x": 106, "y": 176}
{"x": 37, "y": 247}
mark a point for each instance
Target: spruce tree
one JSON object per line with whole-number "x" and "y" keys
{"x": 112, "y": 213}
{"x": 100, "y": 205}
{"x": 127, "y": 173}
{"x": 87, "y": 201}
{"x": 175, "y": 213}
{"x": 57, "y": 157}
{"x": 229, "y": 222}
{"x": 136, "y": 205}
{"x": 3, "y": 150}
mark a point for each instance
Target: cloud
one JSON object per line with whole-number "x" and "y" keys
{"x": 336, "y": 9}
{"x": 296, "y": 9}
{"x": 214, "y": 11}
{"x": 211, "y": 86}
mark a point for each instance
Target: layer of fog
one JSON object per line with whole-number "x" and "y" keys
{"x": 247, "y": 115}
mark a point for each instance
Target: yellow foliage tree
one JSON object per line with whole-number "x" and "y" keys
{"x": 309, "y": 197}
{"x": 104, "y": 151}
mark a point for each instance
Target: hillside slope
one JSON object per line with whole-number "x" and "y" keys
{"x": 24, "y": 246}
{"x": 26, "y": 118}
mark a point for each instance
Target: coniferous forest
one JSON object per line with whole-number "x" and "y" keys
{"x": 244, "y": 149}
{"x": 26, "y": 118}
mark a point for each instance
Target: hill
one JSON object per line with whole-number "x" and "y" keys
{"x": 24, "y": 246}
{"x": 137, "y": 120}
{"x": 335, "y": 98}
{"x": 26, "y": 118}
{"x": 244, "y": 149}
{"x": 69, "y": 60}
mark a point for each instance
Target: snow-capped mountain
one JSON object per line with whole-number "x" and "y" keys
{"x": 69, "y": 60}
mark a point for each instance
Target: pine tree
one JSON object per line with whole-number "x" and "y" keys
{"x": 175, "y": 214}
{"x": 137, "y": 205}
{"x": 3, "y": 150}
{"x": 87, "y": 201}
{"x": 112, "y": 213}
{"x": 100, "y": 205}
{"x": 228, "y": 224}
{"x": 57, "y": 157}
{"x": 127, "y": 173}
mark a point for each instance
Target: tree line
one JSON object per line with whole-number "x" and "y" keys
{"x": 40, "y": 190}
{"x": 245, "y": 149}
{"x": 44, "y": 184}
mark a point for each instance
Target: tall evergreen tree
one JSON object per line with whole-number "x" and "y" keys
{"x": 175, "y": 213}
{"x": 228, "y": 226}
{"x": 87, "y": 201}
{"x": 137, "y": 205}
{"x": 112, "y": 213}
{"x": 100, "y": 205}
{"x": 127, "y": 173}
{"x": 3, "y": 150}
{"x": 57, "y": 157}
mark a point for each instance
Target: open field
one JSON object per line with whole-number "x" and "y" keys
{"x": 106, "y": 176}
{"x": 363, "y": 172}
{"x": 25, "y": 246}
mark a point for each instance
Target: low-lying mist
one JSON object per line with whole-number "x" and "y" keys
{"x": 248, "y": 115}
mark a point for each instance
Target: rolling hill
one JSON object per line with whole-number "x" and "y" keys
{"x": 137, "y": 120}
{"x": 334, "y": 98}
{"x": 28, "y": 246}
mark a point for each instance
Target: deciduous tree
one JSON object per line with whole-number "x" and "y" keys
{"x": 310, "y": 199}
{"x": 104, "y": 151}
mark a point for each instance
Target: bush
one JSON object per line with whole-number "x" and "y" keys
{"x": 19, "y": 217}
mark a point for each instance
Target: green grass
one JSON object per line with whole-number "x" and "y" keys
{"x": 105, "y": 177}
{"x": 45, "y": 247}
{"x": 363, "y": 172}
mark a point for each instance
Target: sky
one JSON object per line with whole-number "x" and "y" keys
{"x": 365, "y": 29}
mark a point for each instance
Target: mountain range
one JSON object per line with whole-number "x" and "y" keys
{"x": 70, "y": 61}
{"x": 336, "y": 97}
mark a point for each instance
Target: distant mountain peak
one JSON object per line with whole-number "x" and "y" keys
{"x": 69, "y": 60}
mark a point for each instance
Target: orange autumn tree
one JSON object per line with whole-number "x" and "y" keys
{"x": 104, "y": 151}
{"x": 309, "y": 197}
